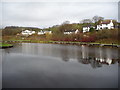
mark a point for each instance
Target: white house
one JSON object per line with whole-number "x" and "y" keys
{"x": 105, "y": 25}
{"x": 86, "y": 29}
{"x": 49, "y": 32}
{"x": 33, "y": 32}
{"x": 27, "y": 32}
{"x": 71, "y": 32}
{"x": 41, "y": 33}
{"x": 44, "y": 32}
{"x": 76, "y": 31}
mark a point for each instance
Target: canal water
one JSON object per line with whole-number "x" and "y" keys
{"x": 34, "y": 65}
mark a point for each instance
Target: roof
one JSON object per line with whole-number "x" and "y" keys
{"x": 105, "y": 22}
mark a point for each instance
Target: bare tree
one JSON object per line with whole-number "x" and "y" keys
{"x": 97, "y": 18}
{"x": 86, "y": 21}
{"x": 66, "y": 22}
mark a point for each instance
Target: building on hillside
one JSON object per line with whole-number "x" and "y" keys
{"x": 44, "y": 32}
{"x": 108, "y": 24}
{"x": 47, "y": 32}
{"x": 27, "y": 32}
{"x": 76, "y": 31}
{"x": 41, "y": 32}
{"x": 87, "y": 28}
{"x": 71, "y": 31}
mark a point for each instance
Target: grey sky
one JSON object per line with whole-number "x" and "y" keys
{"x": 45, "y": 14}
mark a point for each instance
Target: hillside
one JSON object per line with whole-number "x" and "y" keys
{"x": 13, "y": 30}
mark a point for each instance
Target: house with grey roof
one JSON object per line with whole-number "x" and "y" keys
{"x": 106, "y": 24}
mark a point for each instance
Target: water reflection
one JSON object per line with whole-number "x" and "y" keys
{"x": 95, "y": 56}
{"x": 85, "y": 52}
{"x": 64, "y": 55}
{"x": 0, "y": 69}
{"x": 31, "y": 65}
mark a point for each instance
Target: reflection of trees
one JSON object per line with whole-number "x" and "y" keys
{"x": 95, "y": 64}
{"x": 83, "y": 55}
{"x": 84, "y": 61}
{"x": 64, "y": 54}
{"x": 85, "y": 52}
{"x": 30, "y": 48}
{"x": 109, "y": 56}
{"x": 118, "y": 56}
{"x": 118, "y": 61}
{"x": 7, "y": 51}
{"x": 96, "y": 57}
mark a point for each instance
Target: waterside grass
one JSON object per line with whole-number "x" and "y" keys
{"x": 63, "y": 42}
{"x": 5, "y": 45}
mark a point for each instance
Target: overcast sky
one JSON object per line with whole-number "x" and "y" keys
{"x": 41, "y": 13}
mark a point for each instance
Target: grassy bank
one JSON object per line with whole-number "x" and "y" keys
{"x": 51, "y": 41}
{"x": 5, "y": 45}
{"x": 66, "y": 42}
